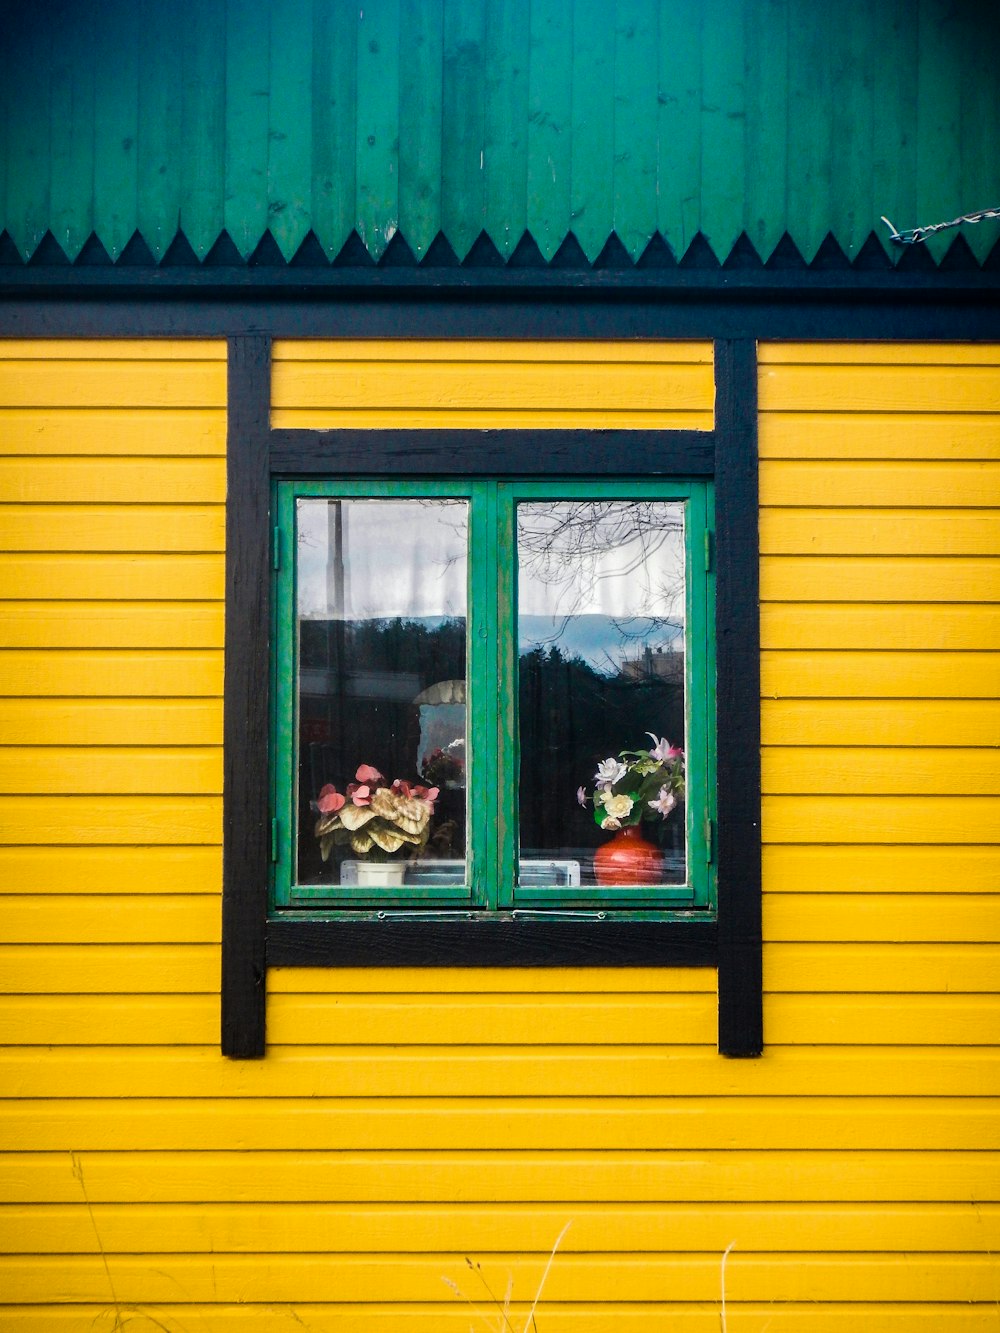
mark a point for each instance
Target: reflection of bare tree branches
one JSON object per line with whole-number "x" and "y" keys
{"x": 567, "y": 545}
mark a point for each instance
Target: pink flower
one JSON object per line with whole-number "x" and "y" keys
{"x": 663, "y": 752}
{"x": 330, "y": 800}
{"x": 664, "y": 802}
{"x": 360, "y": 795}
{"x": 581, "y": 796}
{"x": 402, "y": 788}
{"x": 366, "y": 773}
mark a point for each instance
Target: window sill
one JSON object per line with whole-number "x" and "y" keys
{"x": 495, "y": 939}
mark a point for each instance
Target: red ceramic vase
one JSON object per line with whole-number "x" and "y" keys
{"x": 628, "y": 858}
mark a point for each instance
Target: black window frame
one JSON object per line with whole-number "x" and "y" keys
{"x": 256, "y": 457}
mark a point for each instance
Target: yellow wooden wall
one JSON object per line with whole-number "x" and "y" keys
{"x": 403, "y": 1120}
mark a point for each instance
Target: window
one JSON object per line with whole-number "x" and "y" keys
{"x": 456, "y": 661}
{"x": 496, "y": 639}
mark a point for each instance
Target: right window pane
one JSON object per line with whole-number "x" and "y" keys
{"x": 602, "y": 597}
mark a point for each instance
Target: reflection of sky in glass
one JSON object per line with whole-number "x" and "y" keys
{"x": 614, "y": 558}
{"x": 601, "y": 580}
{"x": 400, "y": 558}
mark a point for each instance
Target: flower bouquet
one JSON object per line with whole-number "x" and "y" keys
{"x": 637, "y": 785}
{"x": 378, "y": 820}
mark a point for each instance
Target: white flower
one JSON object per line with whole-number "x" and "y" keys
{"x": 609, "y": 771}
{"x": 581, "y": 796}
{"x": 618, "y": 807}
{"x": 664, "y": 802}
{"x": 610, "y": 823}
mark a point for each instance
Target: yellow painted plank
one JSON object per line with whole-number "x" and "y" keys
{"x": 887, "y": 819}
{"x": 836, "y": 967}
{"x": 961, "y": 918}
{"x": 894, "y": 968}
{"x": 926, "y": 627}
{"x": 903, "y": 1023}
{"x": 875, "y": 675}
{"x": 110, "y": 819}
{"x": 810, "y": 722}
{"x": 109, "y": 969}
{"x": 94, "y": 673}
{"x": 484, "y": 1072}
{"x": 879, "y": 485}
{"x": 866, "y": 531}
{"x": 107, "y": 480}
{"x": 564, "y": 1317}
{"x": 133, "y": 527}
{"x": 156, "y": 870}
{"x": 83, "y": 430}
{"x": 483, "y": 1228}
{"x": 634, "y": 1123}
{"x": 879, "y": 388}
{"x": 122, "y": 383}
{"x": 112, "y": 349}
{"x": 930, "y": 435}
{"x": 147, "y": 578}
{"x": 871, "y": 869}
{"x": 606, "y": 1019}
{"x": 801, "y": 770}
{"x": 488, "y": 387}
{"x": 569, "y": 417}
{"x": 577, "y": 1278}
{"x": 162, "y": 1021}
{"x": 878, "y": 353}
{"x": 174, "y": 770}
{"x": 136, "y": 918}
{"x": 790, "y": 578}
{"x": 563, "y": 1177}
{"x": 111, "y": 722}
{"x": 469, "y": 981}
{"x": 107, "y": 625}
{"x": 510, "y": 351}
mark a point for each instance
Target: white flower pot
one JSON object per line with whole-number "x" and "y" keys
{"x": 381, "y": 873}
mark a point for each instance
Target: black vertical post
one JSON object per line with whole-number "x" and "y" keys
{"x": 246, "y": 841}
{"x": 737, "y": 618}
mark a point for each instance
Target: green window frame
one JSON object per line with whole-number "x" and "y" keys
{"x": 491, "y": 885}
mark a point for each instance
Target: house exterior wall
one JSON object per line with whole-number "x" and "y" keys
{"x": 404, "y": 1119}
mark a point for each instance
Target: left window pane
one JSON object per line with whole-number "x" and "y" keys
{"x": 381, "y": 613}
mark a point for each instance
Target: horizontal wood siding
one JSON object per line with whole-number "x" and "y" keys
{"x": 541, "y": 385}
{"x": 405, "y": 1119}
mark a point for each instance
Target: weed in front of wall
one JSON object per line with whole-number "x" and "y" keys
{"x": 499, "y": 1318}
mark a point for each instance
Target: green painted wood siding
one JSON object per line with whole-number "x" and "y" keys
{"x": 422, "y": 117}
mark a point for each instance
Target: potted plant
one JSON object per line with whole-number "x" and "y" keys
{"x": 628, "y": 788}
{"x": 384, "y": 824}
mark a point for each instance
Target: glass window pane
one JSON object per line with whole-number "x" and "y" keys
{"x": 601, "y": 642}
{"x": 381, "y": 613}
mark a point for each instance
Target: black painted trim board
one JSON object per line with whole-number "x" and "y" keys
{"x": 245, "y": 819}
{"x": 251, "y": 943}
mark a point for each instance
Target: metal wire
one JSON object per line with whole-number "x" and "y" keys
{"x": 921, "y": 233}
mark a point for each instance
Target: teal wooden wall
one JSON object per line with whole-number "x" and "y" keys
{"x": 546, "y": 116}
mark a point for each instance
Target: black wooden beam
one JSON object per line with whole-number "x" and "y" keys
{"x": 904, "y": 314}
{"x": 496, "y": 940}
{"x": 246, "y": 841}
{"x": 737, "y": 620}
{"x": 473, "y": 453}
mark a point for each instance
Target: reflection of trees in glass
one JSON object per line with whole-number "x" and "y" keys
{"x": 572, "y": 716}
{"x": 359, "y": 680}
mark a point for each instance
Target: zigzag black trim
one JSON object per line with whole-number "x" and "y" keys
{"x": 311, "y": 256}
